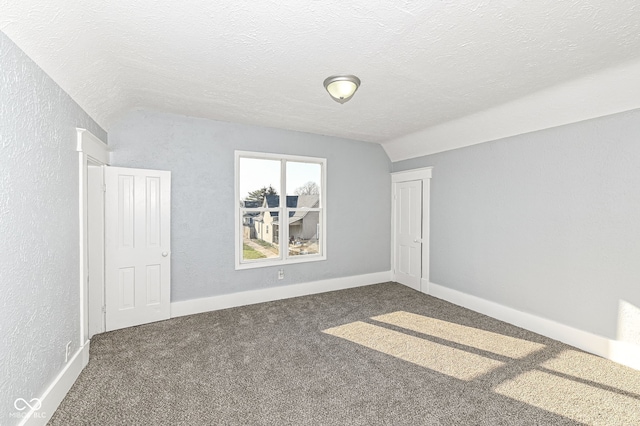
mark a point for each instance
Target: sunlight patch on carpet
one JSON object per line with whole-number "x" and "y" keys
{"x": 572, "y": 399}
{"x": 587, "y": 367}
{"x": 480, "y": 339}
{"x": 443, "y": 359}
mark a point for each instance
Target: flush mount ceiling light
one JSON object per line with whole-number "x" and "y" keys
{"x": 341, "y": 87}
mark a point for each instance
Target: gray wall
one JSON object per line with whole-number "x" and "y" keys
{"x": 200, "y": 155}
{"x": 39, "y": 261}
{"x": 546, "y": 222}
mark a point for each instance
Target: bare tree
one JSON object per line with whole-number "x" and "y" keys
{"x": 309, "y": 188}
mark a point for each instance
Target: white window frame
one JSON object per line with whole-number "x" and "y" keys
{"x": 284, "y": 258}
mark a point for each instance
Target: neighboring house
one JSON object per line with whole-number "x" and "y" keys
{"x": 248, "y": 220}
{"x": 303, "y": 224}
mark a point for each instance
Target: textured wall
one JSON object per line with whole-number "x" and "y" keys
{"x": 200, "y": 154}
{"x": 39, "y": 261}
{"x": 547, "y": 222}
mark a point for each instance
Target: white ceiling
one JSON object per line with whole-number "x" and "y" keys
{"x": 422, "y": 63}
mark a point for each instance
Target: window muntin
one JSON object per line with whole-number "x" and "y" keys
{"x": 261, "y": 240}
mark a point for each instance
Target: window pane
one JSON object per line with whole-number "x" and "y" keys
{"x": 259, "y": 181}
{"x": 304, "y": 232}
{"x": 279, "y": 206}
{"x": 260, "y": 235}
{"x": 303, "y": 178}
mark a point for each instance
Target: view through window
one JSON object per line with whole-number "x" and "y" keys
{"x": 280, "y": 201}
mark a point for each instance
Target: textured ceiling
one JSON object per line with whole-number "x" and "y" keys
{"x": 422, "y": 63}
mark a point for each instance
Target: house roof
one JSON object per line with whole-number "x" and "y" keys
{"x": 308, "y": 201}
{"x": 293, "y": 202}
{"x": 273, "y": 201}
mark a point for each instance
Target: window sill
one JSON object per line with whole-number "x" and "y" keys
{"x": 268, "y": 263}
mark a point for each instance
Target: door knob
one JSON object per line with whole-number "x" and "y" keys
{"x": 165, "y": 254}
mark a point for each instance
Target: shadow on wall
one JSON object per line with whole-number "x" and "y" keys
{"x": 569, "y": 383}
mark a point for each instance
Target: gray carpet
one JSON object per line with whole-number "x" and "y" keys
{"x": 375, "y": 355}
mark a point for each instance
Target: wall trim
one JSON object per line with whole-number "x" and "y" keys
{"x": 91, "y": 145}
{"x": 424, "y": 285}
{"x": 207, "y": 304}
{"x": 620, "y": 352}
{"x": 58, "y": 389}
{"x": 90, "y": 150}
{"x": 597, "y": 95}
{"x": 413, "y": 174}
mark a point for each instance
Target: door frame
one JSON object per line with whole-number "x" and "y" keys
{"x": 423, "y": 174}
{"x": 91, "y": 150}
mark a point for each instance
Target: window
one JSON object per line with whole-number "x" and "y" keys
{"x": 280, "y": 209}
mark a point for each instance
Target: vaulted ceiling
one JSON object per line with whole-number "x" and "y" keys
{"x": 422, "y": 63}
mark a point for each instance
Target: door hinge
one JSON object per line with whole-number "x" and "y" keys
{"x": 104, "y": 309}
{"x": 104, "y": 188}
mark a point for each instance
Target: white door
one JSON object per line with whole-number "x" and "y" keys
{"x": 408, "y": 233}
{"x": 137, "y": 246}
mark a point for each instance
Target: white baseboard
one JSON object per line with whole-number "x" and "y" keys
{"x": 624, "y": 353}
{"x": 196, "y": 306}
{"x": 55, "y": 393}
{"x": 620, "y": 352}
{"x": 424, "y": 285}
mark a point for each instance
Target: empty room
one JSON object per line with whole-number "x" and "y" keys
{"x": 460, "y": 182}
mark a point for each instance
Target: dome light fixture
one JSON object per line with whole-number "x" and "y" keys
{"x": 341, "y": 87}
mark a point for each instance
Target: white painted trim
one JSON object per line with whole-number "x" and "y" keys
{"x": 425, "y": 175}
{"x": 92, "y": 146}
{"x": 424, "y": 285}
{"x": 604, "y": 93}
{"x": 414, "y": 174}
{"x": 97, "y": 153}
{"x": 95, "y": 250}
{"x": 55, "y": 393}
{"x": 620, "y": 352}
{"x": 196, "y": 306}
{"x": 624, "y": 353}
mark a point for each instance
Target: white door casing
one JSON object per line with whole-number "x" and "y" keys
{"x": 410, "y": 227}
{"x": 92, "y": 153}
{"x": 137, "y": 246}
{"x": 408, "y": 233}
{"x": 95, "y": 248}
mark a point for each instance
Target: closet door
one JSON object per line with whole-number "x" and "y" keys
{"x": 137, "y": 246}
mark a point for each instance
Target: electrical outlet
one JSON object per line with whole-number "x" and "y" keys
{"x": 67, "y": 352}
{"x": 280, "y": 274}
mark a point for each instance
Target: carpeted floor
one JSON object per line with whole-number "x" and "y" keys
{"x": 375, "y": 355}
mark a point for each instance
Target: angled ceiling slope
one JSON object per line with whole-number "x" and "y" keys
{"x": 427, "y": 68}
